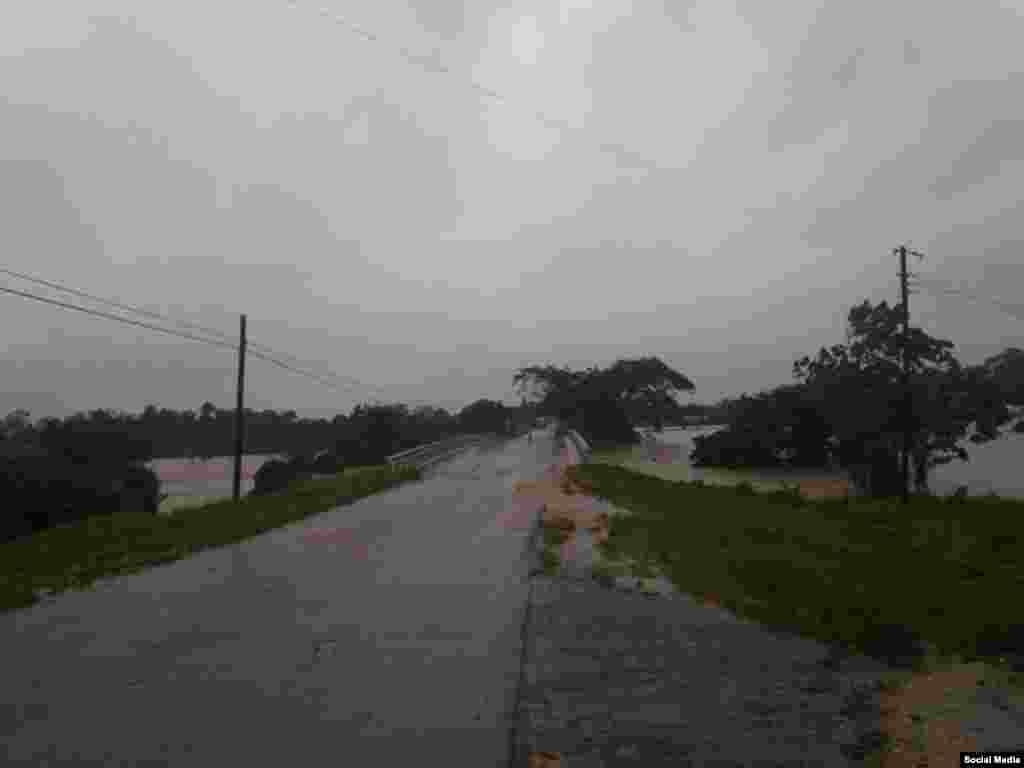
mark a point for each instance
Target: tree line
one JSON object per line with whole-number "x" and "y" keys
{"x": 54, "y": 471}
{"x": 845, "y": 409}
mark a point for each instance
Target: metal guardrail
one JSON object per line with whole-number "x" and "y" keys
{"x": 582, "y": 447}
{"x": 421, "y": 454}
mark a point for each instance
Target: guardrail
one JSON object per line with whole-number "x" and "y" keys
{"x": 581, "y": 445}
{"x": 422, "y": 455}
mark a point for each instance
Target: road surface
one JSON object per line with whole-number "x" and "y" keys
{"x": 382, "y": 633}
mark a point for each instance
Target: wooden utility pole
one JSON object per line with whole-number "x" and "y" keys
{"x": 239, "y": 413}
{"x": 908, "y": 405}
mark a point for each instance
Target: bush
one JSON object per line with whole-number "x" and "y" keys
{"x": 141, "y": 490}
{"x": 328, "y": 464}
{"x": 273, "y": 476}
{"x": 43, "y": 491}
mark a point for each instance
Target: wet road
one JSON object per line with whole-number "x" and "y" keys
{"x": 382, "y": 633}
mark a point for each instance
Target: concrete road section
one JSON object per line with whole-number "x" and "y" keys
{"x": 382, "y": 633}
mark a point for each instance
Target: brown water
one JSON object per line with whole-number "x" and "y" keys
{"x": 211, "y": 478}
{"x": 993, "y": 467}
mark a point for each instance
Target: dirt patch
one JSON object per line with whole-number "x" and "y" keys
{"x": 565, "y": 507}
{"x": 922, "y": 718}
{"x": 544, "y": 760}
{"x": 825, "y": 488}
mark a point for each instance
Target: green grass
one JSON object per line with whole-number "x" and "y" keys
{"x": 836, "y": 570}
{"x": 76, "y": 555}
{"x": 550, "y": 558}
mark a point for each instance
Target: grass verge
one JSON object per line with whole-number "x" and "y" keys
{"x": 934, "y": 579}
{"x": 76, "y": 555}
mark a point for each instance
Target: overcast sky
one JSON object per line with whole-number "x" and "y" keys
{"x": 395, "y": 225}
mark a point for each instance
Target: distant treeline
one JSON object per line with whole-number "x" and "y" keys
{"x": 58, "y": 470}
{"x": 209, "y": 431}
{"x": 852, "y": 406}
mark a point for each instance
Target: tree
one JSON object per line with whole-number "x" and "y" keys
{"x": 1007, "y": 371}
{"x": 859, "y": 393}
{"x": 483, "y": 416}
{"x": 781, "y": 427}
{"x": 15, "y": 424}
{"x": 372, "y": 434}
{"x": 598, "y": 402}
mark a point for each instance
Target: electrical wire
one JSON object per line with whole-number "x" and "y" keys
{"x": 267, "y": 352}
{"x": 107, "y": 315}
{"x": 349, "y": 388}
{"x": 943, "y": 287}
{"x": 144, "y": 312}
{"x": 114, "y": 303}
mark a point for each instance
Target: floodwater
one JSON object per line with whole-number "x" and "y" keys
{"x": 187, "y": 482}
{"x": 994, "y": 467}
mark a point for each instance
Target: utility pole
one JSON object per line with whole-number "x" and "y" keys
{"x": 239, "y": 413}
{"x": 908, "y": 406}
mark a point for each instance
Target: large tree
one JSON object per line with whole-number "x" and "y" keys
{"x": 599, "y": 401}
{"x": 848, "y": 408}
{"x": 858, "y": 387}
{"x": 1007, "y": 371}
{"x": 372, "y": 433}
{"x": 484, "y": 416}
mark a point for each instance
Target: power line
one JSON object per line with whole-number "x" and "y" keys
{"x": 181, "y": 334}
{"x": 114, "y": 303}
{"x": 159, "y": 329}
{"x": 943, "y": 287}
{"x": 268, "y": 352}
{"x": 119, "y": 319}
{"x": 430, "y": 65}
{"x": 137, "y": 310}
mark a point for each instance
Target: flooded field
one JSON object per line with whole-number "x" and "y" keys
{"x": 188, "y": 482}
{"x": 993, "y": 467}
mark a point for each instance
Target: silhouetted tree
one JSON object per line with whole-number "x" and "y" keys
{"x": 599, "y": 402}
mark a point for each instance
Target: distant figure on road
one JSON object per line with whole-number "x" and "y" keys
{"x": 529, "y": 436}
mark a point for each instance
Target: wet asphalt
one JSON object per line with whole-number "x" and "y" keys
{"x": 386, "y": 632}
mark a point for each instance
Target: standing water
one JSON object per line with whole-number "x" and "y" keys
{"x": 994, "y": 467}
{"x": 188, "y": 482}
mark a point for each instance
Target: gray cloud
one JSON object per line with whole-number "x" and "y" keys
{"x": 847, "y": 71}
{"x": 446, "y": 19}
{"x": 981, "y": 159}
{"x": 911, "y": 54}
{"x": 381, "y": 221}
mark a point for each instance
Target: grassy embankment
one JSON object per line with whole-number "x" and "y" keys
{"x": 76, "y": 555}
{"x": 867, "y": 575}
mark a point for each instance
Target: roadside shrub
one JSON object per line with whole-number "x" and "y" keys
{"x": 141, "y": 490}
{"x": 898, "y": 645}
{"x": 42, "y": 491}
{"x": 273, "y": 476}
{"x": 328, "y": 464}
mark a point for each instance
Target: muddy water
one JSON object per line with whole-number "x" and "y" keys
{"x": 993, "y": 467}
{"x": 190, "y": 482}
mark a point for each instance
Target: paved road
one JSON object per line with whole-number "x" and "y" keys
{"x": 383, "y": 633}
